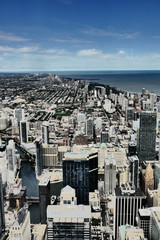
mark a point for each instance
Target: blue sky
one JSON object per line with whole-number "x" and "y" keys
{"x": 39, "y": 35}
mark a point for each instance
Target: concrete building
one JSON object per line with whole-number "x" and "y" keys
{"x": 156, "y": 175}
{"x": 19, "y": 114}
{"x": 49, "y": 155}
{"x": 39, "y": 231}
{"x": 129, "y": 114}
{"x": 81, "y": 117}
{"x": 89, "y": 127}
{"x": 17, "y": 195}
{"x": 2, "y": 216}
{"x": 144, "y": 221}
{"x": 61, "y": 151}
{"x": 155, "y": 225}
{"x": 3, "y": 122}
{"x": 68, "y": 220}
{"x": 44, "y": 198}
{"x": 3, "y": 164}
{"x": 147, "y": 136}
{"x": 127, "y": 203}
{"x": 109, "y": 176}
{"x": 21, "y": 227}
{"x": 80, "y": 171}
{"x": 94, "y": 200}
{"x": 148, "y": 179}
{"x": 45, "y": 132}
{"x": 104, "y": 137}
{"x": 128, "y": 232}
{"x": 68, "y": 196}
{"x": 122, "y": 168}
{"x": 81, "y": 139}
{"x": 11, "y": 156}
{"x": 149, "y": 220}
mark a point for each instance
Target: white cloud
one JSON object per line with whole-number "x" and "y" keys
{"x": 56, "y": 51}
{"x": 121, "y": 52}
{"x": 18, "y": 50}
{"x": 102, "y": 55}
{"x": 89, "y": 52}
{"x": 156, "y": 37}
{"x": 71, "y": 40}
{"x": 27, "y": 49}
{"x": 105, "y": 33}
{"x": 11, "y": 37}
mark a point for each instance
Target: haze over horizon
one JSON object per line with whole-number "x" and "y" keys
{"x": 61, "y": 35}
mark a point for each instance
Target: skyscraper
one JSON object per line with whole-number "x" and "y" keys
{"x": 39, "y": 163}
{"x": 80, "y": 171}
{"x": 68, "y": 220}
{"x": 134, "y": 171}
{"x": 104, "y": 137}
{"x": 127, "y": 203}
{"x": 89, "y": 127}
{"x": 44, "y": 198}
{"x": 2, "y": 219}
{"x": 132, "y": 148}
{"x": 45, "y": 132}
{"x": 49, "y": 155}
{"x": 109, "y": 176}
{"x": 23, "y": 131}
{"x": 147, "y": 136}
{"x": 11, "y": 155}
{"x": 19, "y": 114}
{"x": 21, "y": 227}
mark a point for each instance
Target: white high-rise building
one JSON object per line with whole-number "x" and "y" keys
{"x": 45, "y": 132}
{"x": 68, "y": 220}
{"x": 21, "y": 227}
{"x": 3, "y": 122}
{"x": 11, "y": 155}
{"x": 81, "y": 117}
{"x": 19, "y": 114}
{"x": 3, "y": 163}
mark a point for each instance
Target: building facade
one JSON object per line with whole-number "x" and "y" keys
{"x": 2, "y": 217}
{"x": 80, "y": 171}
{"x": 68, "y": 220}
{"x": 45, "y": 132}
{"x": 147, "y": 136}
{"x": 109, "y": 176}
{"x": 127, "y": 203}
{"x": 44, "y": 198}
{"x": 24, "y": 131}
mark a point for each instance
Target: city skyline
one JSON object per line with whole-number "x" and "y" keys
{"x": 79, "y": 35}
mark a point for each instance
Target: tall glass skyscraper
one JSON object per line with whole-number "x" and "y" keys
{"x": 147, "y": 136}
{"x": 80, "y": 171}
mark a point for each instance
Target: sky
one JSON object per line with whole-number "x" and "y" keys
{"x": 65, "y": 35}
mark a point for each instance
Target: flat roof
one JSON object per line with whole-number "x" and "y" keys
{"x": 77, "y": 156}
{"x": 44, "y": 182}
{"x": 136, "y": 193}
{"x": 68, "y": 212}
